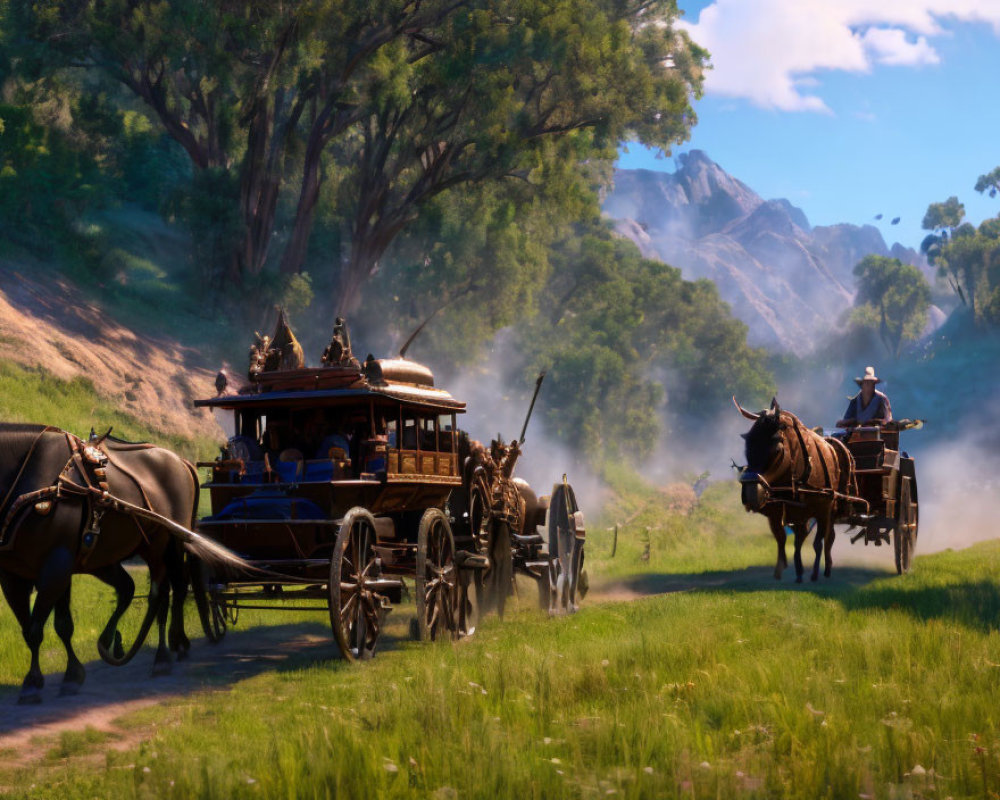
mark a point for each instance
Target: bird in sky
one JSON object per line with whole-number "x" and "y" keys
{"x": 878, "y": 216}
{"x": 895, "y": 221}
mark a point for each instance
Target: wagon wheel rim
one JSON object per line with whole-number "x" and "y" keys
{"x": 906, "y": 528}
{"x": 496, "y": 583}
{"x": 480, "y": 516}
{"x": 218, "y": 616}
{"x": 565, "y": 552}
{"x": 356, "y": 612}
{"x": 441, "y": 600}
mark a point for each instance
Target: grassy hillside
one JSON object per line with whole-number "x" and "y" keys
{"x": 34, "y": 395}
{"x": 866, "y": 685}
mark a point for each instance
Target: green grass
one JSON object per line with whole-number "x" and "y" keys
{"x": 737, "y": 686}
{"x": 35, "y": 395}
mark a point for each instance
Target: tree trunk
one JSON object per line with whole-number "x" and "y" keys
{"x": 259, "y": 189}
{"x": 305, "y": 212}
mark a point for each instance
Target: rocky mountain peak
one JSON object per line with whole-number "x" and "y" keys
{"x": 789, "y": 281}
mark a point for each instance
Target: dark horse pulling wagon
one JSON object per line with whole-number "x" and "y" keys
{"x": 857, "y": 478}
{"x": 340, "y": 481}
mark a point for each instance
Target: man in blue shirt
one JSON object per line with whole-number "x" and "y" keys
{"x": 869, "y": 406}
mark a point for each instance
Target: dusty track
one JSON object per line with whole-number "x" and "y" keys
{"x": 27, "y": 733}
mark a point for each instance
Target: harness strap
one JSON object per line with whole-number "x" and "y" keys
{"x": 24, "y": 466}
{"x": 806, "y": 459}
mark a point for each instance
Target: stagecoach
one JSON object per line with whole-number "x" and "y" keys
{"x": 339, "y": 483}
{"x": 884, "y": 507}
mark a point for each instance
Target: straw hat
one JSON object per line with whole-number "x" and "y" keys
{"x": 869, "y": 376}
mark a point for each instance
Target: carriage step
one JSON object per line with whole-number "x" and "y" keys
{"x": 466, "y": 560}
{"x": 531, "y": 538}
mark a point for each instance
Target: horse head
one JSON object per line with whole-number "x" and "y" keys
{"x": 767, "y": 455}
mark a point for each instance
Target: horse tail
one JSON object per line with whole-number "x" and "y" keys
{"x": 196, "y": 567}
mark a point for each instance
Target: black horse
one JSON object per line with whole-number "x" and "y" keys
{"x": 70, "y": 506}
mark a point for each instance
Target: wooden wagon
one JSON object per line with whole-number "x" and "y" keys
{"x": 341, "y": 481}
{"x": 886, "y": 508}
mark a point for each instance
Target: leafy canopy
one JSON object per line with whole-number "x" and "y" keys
{"x": 892, "y": 298}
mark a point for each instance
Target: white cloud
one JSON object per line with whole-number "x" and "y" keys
{"x": 891, "y": 46}
{"x": 770, "y": 51}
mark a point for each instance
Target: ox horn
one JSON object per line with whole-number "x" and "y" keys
{"x": 743, "y": 411}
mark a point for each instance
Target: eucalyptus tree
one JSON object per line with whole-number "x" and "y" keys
{"x": 893, "y": 297}
{"x": 392, "y": 102}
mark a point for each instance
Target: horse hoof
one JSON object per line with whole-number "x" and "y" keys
{"x": 69, "y": 689}
{"x": 814, "y": 578}
{"x": 31, "y": 697}
{"x": 181, "y": 655}
{"x": 798, "y": 579}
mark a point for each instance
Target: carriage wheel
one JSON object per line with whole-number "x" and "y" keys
{"x": 496, "y": 583}
{"x": 905, "y": 534}
{"x": 211, "y": 608}
{"x": 217, "y": 618}
{"x": 480, "y": 517}
{"x": 566, "y": 576}
{"x": 443, "y": 608}
{"x": 356, "y": 612}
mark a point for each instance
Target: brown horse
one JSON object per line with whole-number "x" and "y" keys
{"x": 74, "y": 507}
{"x": 794, "y": 475}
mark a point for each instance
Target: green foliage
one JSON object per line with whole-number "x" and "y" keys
{"x": 45, "y": 180}
{"x": 626, "y": 339}
{"x": 990, "y": 182}
{"x": 393, "y": 103}
{"x": 946, "y": 215}
{"x": 892, "y": 298}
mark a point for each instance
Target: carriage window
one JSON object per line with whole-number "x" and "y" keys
{"x": 391, "y": 430}
{"x": 447, "y": 434}
{"x": 409, "y": 438}
{"x": 428, "y": 438}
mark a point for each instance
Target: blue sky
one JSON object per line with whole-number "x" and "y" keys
{"x": 847, "y": 109}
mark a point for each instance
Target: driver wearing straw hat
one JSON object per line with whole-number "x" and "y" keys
{"x": 869, "y": 406}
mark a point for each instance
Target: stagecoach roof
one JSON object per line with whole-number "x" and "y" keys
{"x": 413, "y": 395}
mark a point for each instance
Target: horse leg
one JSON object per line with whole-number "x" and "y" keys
{"x": 818, "y": 540}
{"x": 75, "y": 673}
{"x": 159, "y": 594}
{"x": 801, "y": 532}
{"x": 53, "y": 581}
{"x": 17, "y": 592}
{"x": 117, "y": 577}
{"x": 829, "y": 534}
{"x": 778, "y": 531}
{"x": 177, "y": 575}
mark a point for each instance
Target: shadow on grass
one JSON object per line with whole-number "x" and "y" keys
{"x": 973, "y": 604}
{"x": 109, "y": 691}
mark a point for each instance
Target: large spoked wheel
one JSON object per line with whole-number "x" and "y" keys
{"x": 905, "y": 535}
{"x": 443, "y": 609}
{"x": 567, "y": 579}
{"x": 356, "y": 610}
{"x": 492, "y": 586}
{"x": 212, "y": 610}
{"x": 495, "y": 584}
